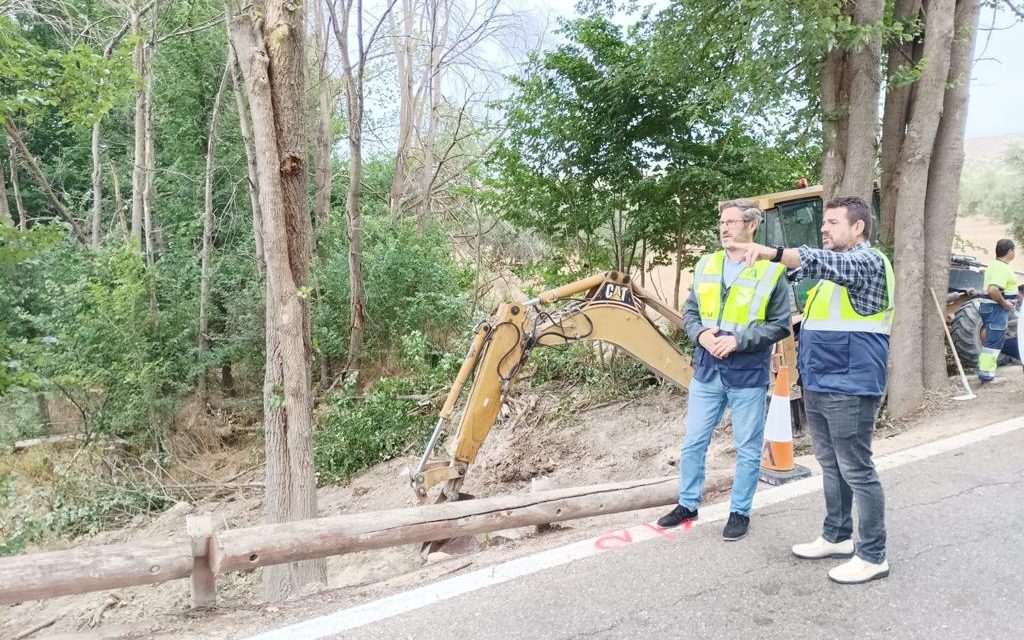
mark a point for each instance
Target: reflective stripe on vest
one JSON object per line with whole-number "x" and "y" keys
{"x": 828, "y": 307}
{"x": 747, "y": 300}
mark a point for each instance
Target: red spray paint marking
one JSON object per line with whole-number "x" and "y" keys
{"x": 613, "y": 540}
{"x": 624, "y": 537}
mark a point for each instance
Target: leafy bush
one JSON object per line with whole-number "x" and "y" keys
{"x": 412, "y": 284}
{"x": 360, "y": 431}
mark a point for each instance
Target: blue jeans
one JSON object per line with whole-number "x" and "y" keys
{"x": 705, "y": 406}
{"x": 996, "y": 319}
{"x": 841, "y": 430}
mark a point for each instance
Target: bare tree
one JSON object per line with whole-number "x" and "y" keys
{"x": 149, "y": 167}
{"x": 275, "y": 80}
{"x": 118, "y": 201}
{"x": 353, "y": 79}
{"x": 97, "y": 168}
{"x": 408, "y": 104}
{"x": 5, "y": 210}
{"x": 208, "y": 222}
{"x": 139, "y": 161}
{"x": 849, "y": 98}
{"x": 15, "y": 185}
{"x": 325, "y": 107}
{"x": 245, "y": 124}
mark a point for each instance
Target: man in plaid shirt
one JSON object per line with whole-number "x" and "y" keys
{"x": 844, "y": 349}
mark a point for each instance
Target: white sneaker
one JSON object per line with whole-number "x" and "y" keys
{"x": 857, "y": 571}
{"x": 822, "y": 548}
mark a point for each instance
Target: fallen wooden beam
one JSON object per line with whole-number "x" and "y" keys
{"x": 66, "y": 438}
{"x": 243, "y": 549}
{"x": 37, "y": 576}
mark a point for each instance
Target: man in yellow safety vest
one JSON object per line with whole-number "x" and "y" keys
{"x": 1000, "y": 294}
{"x": 734, "y": 314}
{"x": 844, "y": 349}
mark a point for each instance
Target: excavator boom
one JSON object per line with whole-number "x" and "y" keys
{"x": 609, "y": 307}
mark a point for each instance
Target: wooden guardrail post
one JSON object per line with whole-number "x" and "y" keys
{"x": 203, "y": 582}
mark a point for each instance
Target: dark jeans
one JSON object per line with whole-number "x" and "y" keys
{"x": 841, "y": 430}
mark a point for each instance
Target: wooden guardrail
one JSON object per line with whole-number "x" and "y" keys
{"x": 205, "y": 552}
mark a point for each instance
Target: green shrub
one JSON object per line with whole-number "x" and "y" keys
{"x": 360, "y": 431}
{"x": 74, "y": 505}
{"x": 412, "y": 284}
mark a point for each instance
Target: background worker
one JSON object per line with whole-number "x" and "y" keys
{"x": 1001, "y": 292}
{"x": 844, "y": 348}
{"x": 734, "y": 314}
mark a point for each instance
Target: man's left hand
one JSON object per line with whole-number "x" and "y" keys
{"x": 724, "y": 347}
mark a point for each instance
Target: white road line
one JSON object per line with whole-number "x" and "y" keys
{"x": 374, "y": 611}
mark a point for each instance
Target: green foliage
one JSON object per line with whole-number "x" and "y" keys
{"x": 20, "y": 254}
{"x": 412, "y": 284}
{"x": 74, "y": 505}
{"x": 359, "y": 431}
{"x": 619, "y": 138}
{"x": 80, "y": 83}
{"x": 996, "y": 189}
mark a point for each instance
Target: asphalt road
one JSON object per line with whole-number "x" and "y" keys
{"x": 956, "y": 550}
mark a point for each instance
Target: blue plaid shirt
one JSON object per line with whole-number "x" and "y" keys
{"x": 861, "y": 271}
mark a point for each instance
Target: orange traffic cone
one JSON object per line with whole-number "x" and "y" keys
{"x": 777, "y": 466}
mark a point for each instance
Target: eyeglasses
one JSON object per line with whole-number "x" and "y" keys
{"x": 730, "y": 223}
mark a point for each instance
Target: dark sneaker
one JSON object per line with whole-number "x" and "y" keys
{"x": 736, "y": 528}
{"x": 678, "y": 515}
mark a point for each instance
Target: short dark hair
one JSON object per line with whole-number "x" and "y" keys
{"x": 1003, "y": 247}
{"x": 856, "y": 209}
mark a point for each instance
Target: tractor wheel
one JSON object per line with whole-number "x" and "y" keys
{"x": 968, "y": 333}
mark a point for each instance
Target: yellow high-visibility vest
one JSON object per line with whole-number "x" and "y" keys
{"x": 828, "y": 307}
{"x": 747, "y": 301}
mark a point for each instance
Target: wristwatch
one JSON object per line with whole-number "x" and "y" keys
{"x": 778, "y": 254}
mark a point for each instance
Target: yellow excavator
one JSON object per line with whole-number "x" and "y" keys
{"x": 609, "y": 307}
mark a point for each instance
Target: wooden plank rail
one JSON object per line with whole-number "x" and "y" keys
{"x": 36, "y": 576}
{"x": 200, "y": 555}
{"x": 292, "y": 541}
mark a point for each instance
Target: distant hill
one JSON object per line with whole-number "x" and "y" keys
{"x": 991, "y": 148}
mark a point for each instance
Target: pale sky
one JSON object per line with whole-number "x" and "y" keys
{"x": 997, "y": 91}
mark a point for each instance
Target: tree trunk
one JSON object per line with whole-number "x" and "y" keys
{"x": 405, "y": 48}
{"x": 906, "y": 391}
{"x": 834, "y": 104}
{"x": 43, "y": 408}
{"x": 676, "y": 302}
{"x": 118, "y": 201}
{"x": 97, "y": 186}
{"x": 438, "y": 39}
{"x": 5, "y": 210}
{"x": 16, "y": 186}
{"x": 850, "y": 86}
{"x": 896, "y": 114}
{"x": 944, "y": 184}
{"x": 274, "y": 79}
{"x": 139, "y": 161}
{"x": 44, "y": 184}
{"x": 353, "y": 80}
{"x": 207, "y": 255}
{"x": 864, "y": 77}
{"x": 149, "y": 166}
{"x": 325, "y": 107}
{"x": 245, "y": 125}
